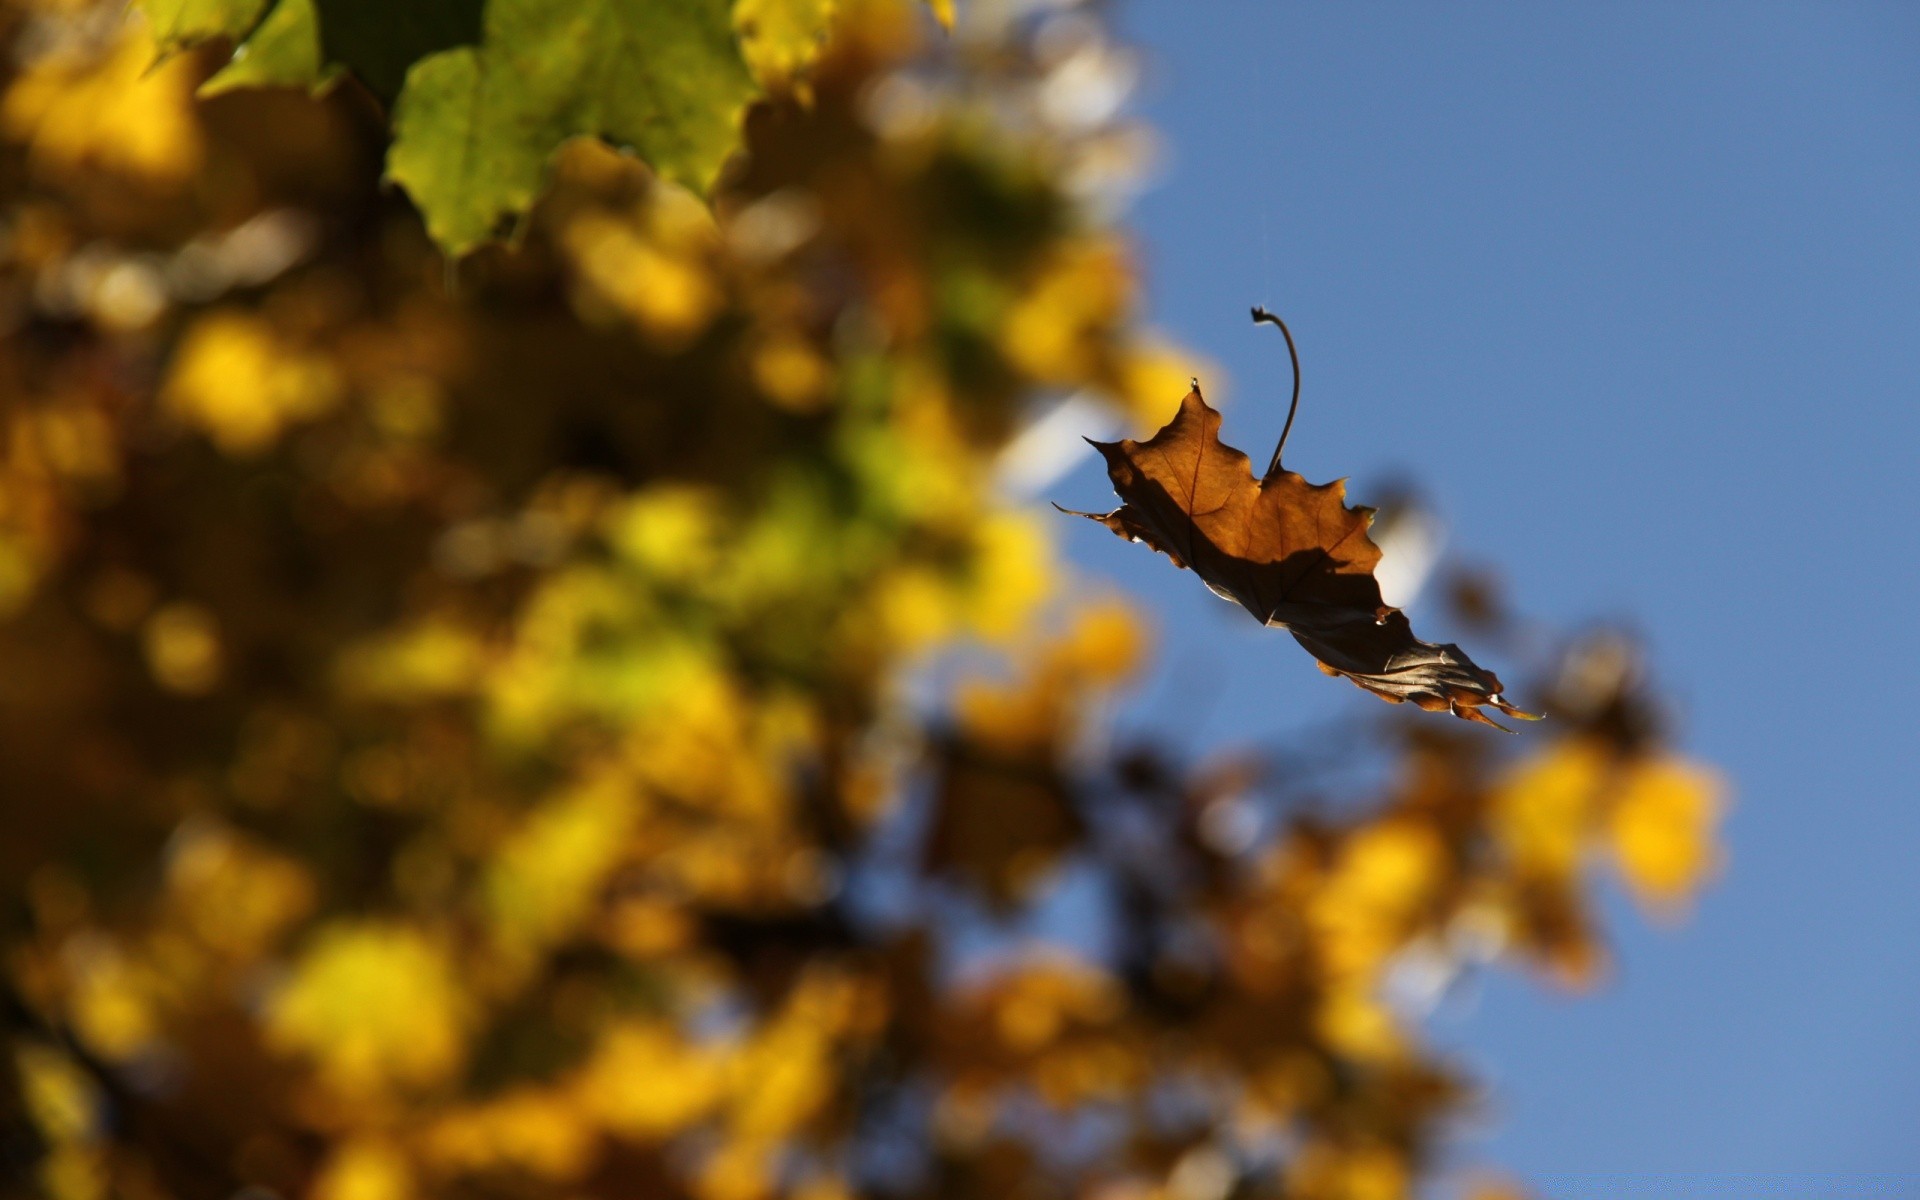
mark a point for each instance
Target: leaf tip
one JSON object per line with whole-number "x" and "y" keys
{"x": 1471, "y": 712}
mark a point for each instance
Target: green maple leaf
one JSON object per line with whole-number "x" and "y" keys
{"x": 483, "y": 92}
{"x": 475, "y": 127}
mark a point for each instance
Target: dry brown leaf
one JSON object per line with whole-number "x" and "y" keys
{"x": 1291, "y": 553}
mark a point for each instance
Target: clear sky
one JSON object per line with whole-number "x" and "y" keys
{"x": 1633, "y": 292}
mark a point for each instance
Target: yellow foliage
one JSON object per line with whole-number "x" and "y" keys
{"x": 1545, "y": 809}
{"x": 653, "y": 268}
{"x": 72, "y": 1172}
{"x": 913, "y": 608}
{"x": 1385, "y": 875}
{"x": 236, "y": 896}
{"x": 1154, "y": 375}
{"x": 518, "y": 756}
{"x": 1054, "y": 332}
{"x": 63, "y": 1105}
{"x": 62, "y": 1101}
{"x": 540, "y": 1132}
{"x": 784, "y": 1076}
{"x": 644, "y": 1081}
{"x": 183, "y": 649}
{"x": 543, "y": 881}
{"x": 670, "y": 532}
{"x": 112, "y": 1004}
{"x": 1354, "y": 1021}
{"x": 1100, "y": 649}
{"x": 780, "y": 38}
{"x": 1662, "y": 829}
{"x": 781, "y": 1080}
{"x": 823, "y": 1188}
{"x": 1658, "y": 813}
{"x": 18, "y": 572}
{"x": 438, "y": 656}
{"x": 1070, "y": 1075}
{"x": 792, "y": 373}
{"x": 1012, "y": 575}
{"x": 1325, "y": 1172}
{"x": 375, "y": 1008}
{"x": 1105, "y": 644}
{"x": 243, "y": 385}
{"x": 365, "y": 1169}
{"x": 738, "y": 1170}
{"x": 645, "y": 927}
{"x": 542, "y": 680}
{"x": 1037, "y": 1004}
{"x": 77, "y": 107}
{"x": 76, "y": 440}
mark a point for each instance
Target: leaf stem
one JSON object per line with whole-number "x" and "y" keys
{"x": 1261, "y": 315}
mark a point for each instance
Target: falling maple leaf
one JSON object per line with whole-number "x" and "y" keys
{"x": 1291, "y": 553}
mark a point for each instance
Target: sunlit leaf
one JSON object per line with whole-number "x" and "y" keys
{"x": 780, "y": 38}
{"x": 282, "y": 51}
{"x": 475, "y": 127}
{"x": 1662, "y": 826}
{"x": 375, "y": 1008}
{"x": 1289, "y": 552}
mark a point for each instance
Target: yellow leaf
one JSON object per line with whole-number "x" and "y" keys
{"x": 540, "y": 1132}
{"x": 544, "y": 880}
{"x": 792, "y": 373}
{"x": 235, "y": 895}
{"x": 671, "y": 532}
{"x": 652, "y": 268}
{"x": 1105, "y": 644}
{"x": 824, "y": 1187}
{"x": 1662, "y": 829}
{"x": 241, "y": 384}
{"x": 74, "y": 1172}
{"x": 183, "y": 649}
{"x": 781, "y": 38}
{"x": 111, "y": 1005}
{"x": 1150, "y": 374}
{"x": 62, "y": 1101}
{"x": 912, "y": 607}
{"x": 1354, "y": 1021}
{"x": 376, "y": 1007}
{"x": 436, "y": 657}
{"x": 77, "y": 108}
{"x": 1058, "y": 332}
{"x": 739, "y": 1170}
{"x": 646, "y": 1081}
{"x": 1329, "y": 1169}
{"x": 1010, "y": 576}
{"x": 365, "y": 1170}
{"x": 1544, "y": 811}
{"x": 1385, "y": 873}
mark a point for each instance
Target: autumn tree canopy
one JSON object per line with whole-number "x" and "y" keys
{"x": 483, "y": 490}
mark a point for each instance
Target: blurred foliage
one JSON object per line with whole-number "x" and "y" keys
{"x": 480, "y": 731}
{"x": 484, "y": 94}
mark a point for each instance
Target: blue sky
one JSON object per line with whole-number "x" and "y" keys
{"x": 1633, "y": 292}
